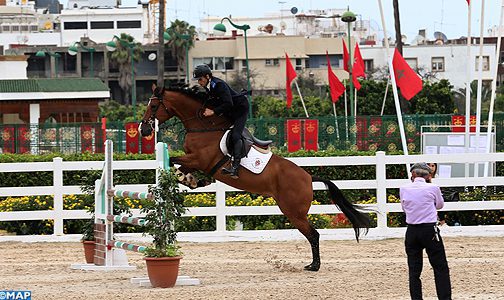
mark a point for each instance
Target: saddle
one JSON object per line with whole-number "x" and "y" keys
{"x": 249, "y": 141}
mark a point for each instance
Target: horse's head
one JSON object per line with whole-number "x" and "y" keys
{"x": 156, "y": 110}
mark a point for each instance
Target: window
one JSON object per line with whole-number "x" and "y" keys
{"x": 102, "y": 25}
{"x": 368, "y": 65}
{"x": 129, "y": 24}
{"x": 272, "y": 62}
{"x": 24, "y": 28}
{"x": 215, "y": 63}
{"x": 486, "y": 63}
{"x": 412, "y": 62}
{"x": 15, "y": 28}
{"x": 33, "y": 28}
{"x": 75, "y": 25}
{"x": 244, "y": 65}
{"x": 299, "y": 64}
{"x": 438, "y": 64}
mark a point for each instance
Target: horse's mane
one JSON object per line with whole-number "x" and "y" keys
{"x": 195, "y": 92}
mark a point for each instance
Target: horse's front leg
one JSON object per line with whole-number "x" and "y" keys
{"x": 184, "y": 175}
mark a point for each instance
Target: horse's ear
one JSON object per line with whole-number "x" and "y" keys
{"x": 154, "y": 86}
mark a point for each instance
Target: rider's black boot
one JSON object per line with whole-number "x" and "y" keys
{"x": 235, "y": 165}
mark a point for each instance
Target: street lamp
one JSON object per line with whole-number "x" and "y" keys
{"x": 349, "y": 17}
{"x": 72, "y": 50}
{"x": 220, "y": 29}
{"x": 112, "y": 46}
{"x": 186, "y": 37}
{"x": 43, "y": 52}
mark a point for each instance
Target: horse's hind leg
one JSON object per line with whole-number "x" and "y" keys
{"x": 312, "y": 236}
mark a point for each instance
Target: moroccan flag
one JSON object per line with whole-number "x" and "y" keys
{"x": 346, "y": 57}
{"x": 406, "y": 79}
{"x": 468, "y": 2}
{"x": 336, "y": 87}
{"x": 358, "y": 65}
{"x": 290, "y": 74}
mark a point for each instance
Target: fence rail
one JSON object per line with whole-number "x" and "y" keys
{"x": 380, "y": 183}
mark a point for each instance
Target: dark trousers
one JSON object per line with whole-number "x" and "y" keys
{"x": 419, "y": 237}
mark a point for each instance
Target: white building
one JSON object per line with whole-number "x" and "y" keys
{"x": 441, "y": 61}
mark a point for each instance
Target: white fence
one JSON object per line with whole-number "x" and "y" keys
{"x": 221, "y": 211}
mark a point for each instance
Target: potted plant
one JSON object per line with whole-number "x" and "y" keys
{"x": 88, "y": 239}
{"x": 167, "y": 205}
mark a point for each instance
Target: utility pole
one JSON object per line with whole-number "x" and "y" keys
{"x": 161, "y": 45}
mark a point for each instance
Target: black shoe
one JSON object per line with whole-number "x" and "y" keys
{"x": 233, "y": 169}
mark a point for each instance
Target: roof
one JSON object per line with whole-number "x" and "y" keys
{"x": 52, "y": 85}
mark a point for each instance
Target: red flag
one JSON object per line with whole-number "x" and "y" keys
{"x": 290, "y": 74}
{"x": 406, "y": 79}
{"x": 358, "y": 65}
{"x": 336, "y": 87}
{"x": 346, "y": 57}
{"x": 345, "y": 67}
{"x": 468, "y": 2}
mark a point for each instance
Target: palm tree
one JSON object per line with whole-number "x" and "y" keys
{"x": 181, "y": 36}
{"x": 460, "y": 97}
{"x": 122, "y": 57}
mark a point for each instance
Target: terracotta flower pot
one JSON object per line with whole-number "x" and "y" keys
{"x": 163, "y": 271}
{"x": 89, "y": 251}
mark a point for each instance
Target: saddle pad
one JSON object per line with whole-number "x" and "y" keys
{"x": 255, "y": 161}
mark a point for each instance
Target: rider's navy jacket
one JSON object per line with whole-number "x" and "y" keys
{"x": 225, "y": 100}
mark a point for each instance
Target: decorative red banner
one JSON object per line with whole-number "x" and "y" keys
{"x": 148, "y": 143}
{"x": 86, "y": 138}
{"x": 458, "y": 123}
{"x": 8, "y": 140}
{"x": 293, "y": 135}
{"x": 99, "y": 135}
{"x": 311, "y": 135}
{"x": 132, "y": 137}
{"x": 24, "y": 139}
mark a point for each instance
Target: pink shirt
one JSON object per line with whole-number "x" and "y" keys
{"x": 420, "y": 201}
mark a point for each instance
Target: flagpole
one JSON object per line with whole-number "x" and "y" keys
{"x": 494, "y": 87}
{"x": 385, "y": 97}
{"x": 346, "y": 114}
{"x": 336, "y": 119}
{"x": 468, "y": 87}
{"x": 480, "y": 83}
{"x": 301, "y": 97}
{"x": 394, "y": 89}
{"x": 355, "y": 101}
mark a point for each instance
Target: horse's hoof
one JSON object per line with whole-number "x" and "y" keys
{"x": 312, "y": 267}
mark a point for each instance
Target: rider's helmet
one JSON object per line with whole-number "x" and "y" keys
{"x": 201, "y": 71}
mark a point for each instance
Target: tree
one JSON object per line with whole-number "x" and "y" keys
{"x": 161, "y": 48}
{"x": 122, "y": 57}
{"x": 460, "y": 97}
{"x": 181, "y": 39}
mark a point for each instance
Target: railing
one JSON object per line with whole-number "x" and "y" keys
{"x": 372, "y": 133}
{"x": 221, "y": 211}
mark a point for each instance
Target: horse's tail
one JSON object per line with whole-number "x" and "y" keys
{"x": 358, "y": 219}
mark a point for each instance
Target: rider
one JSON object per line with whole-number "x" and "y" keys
{"x": 225, "y": 101}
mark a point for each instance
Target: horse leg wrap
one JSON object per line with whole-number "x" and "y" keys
{"x": 314, "y": 243}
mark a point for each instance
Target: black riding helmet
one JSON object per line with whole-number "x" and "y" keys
{"x": 201, "y": 71}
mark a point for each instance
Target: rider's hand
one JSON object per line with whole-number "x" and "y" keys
{"x": 208, "y": 112}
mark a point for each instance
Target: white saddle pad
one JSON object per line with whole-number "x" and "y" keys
{"x": 255, "y": 161}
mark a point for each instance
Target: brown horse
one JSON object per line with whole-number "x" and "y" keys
{"x": 287, "y": 183}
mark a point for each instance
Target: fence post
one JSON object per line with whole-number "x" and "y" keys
{"x": 220, "y": 205}
{"x": 58, "y": 195}
{"x": 381, "y": 191}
